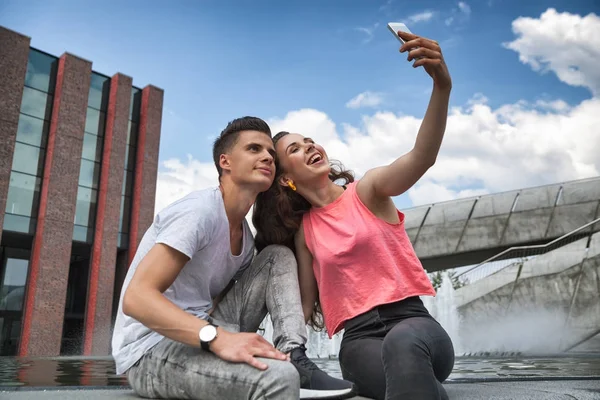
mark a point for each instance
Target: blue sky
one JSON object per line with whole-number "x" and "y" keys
{"x": 217, "y": 60}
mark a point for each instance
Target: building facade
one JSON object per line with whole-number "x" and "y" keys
{"x": 78, "y": 166}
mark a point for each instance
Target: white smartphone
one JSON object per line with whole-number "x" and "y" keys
{"x": 394, "y": 27}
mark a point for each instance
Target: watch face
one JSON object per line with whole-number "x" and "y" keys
{"x": 208, "y": 333}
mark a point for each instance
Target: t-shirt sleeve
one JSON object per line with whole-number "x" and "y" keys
{"x": 187, "y": 231}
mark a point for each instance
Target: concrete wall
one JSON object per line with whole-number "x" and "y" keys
{"x": 547, "y": 304}
{"x": 445, "y": 234}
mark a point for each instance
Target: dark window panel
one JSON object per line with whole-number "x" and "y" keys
{"x": 99, "y": 92}
{"x": 132, "y": 133}
{"x": 36, "y": 103}
{"x": 127, "y": 188}
{"x": 85, "y": 211}
{"x": 28, "y": 159}
{"x": 12, "y": 287}
{"x": 130, "y": 158}
{"x": 94, "y": 121}
{"x": 23, "y": 195}
{"x": 33, "y": 131}
{"x": 135, "y": 104}
{"x": 125, "y": 214}
{"x": 41, "y": 71}
{"x": 82, "y": 234}
{"x": 19, "y": 223}
{"x": 123, "y": 242}
{"x": 89, "y": 174}
{"x": 92, "y": 147}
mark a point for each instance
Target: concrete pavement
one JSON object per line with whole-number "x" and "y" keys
{"x": 504, "y": 390}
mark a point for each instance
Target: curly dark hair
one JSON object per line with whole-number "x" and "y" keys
{"x": 278, "y": 212}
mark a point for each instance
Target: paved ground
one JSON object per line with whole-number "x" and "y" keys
{"x": 547, "y": 390}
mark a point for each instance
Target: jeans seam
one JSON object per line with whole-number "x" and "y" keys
{"x": 208, "y": 375}
{"x": 246, "y": 289}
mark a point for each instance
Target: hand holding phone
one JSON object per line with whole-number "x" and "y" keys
{"x": 394, "y": 27}
{"x": 426, "y": 52}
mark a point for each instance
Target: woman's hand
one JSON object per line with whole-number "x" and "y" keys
{"x": 428, "y": 54}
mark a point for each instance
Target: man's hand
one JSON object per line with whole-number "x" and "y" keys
{"x": 244, "y": 347}
{"x": 429, "y": 55}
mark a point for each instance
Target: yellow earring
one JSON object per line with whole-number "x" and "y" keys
{"x": 291, "y": 185}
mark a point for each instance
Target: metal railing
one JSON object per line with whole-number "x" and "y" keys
{"x": 520, "y": 254}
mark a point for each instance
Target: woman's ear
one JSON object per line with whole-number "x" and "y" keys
{"x": 283, "y": 181}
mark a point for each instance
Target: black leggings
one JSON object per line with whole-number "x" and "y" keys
{"x": 397, "y": 351}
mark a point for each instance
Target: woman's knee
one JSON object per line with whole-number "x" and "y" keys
{"x": 402, "y": 339}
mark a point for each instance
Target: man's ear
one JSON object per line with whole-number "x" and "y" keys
{"x": 224, "y": 162}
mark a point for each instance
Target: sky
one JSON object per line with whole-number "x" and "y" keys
{"x": 525, "y": 104}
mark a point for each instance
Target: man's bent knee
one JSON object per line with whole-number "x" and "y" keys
{"x": 280, "y": 381}
{"x": 278, "y": 250}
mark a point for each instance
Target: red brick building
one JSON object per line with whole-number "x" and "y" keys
{"x": 78, "y": 165}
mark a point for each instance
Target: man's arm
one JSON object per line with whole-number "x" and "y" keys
{"x": 144, "y": 301}
{"x": 399, "y": 176}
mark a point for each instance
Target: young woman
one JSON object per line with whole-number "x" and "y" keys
{"x": 355, "y": 261}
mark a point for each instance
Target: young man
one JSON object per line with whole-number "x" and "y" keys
{"x": 195, "y": 295}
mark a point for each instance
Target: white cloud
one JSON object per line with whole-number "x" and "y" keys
{"x": 385, "y": 7}
{"x": 420, "y": 17}
{"x": 368, "y": 32}
{"x": 365, "y": 99}
{"x": 177, "y": 178}
{"x": 459, "y": 15}
{"x": 430, "y": 192}
{"x": 564, "y": 43}
{"x": 464, "y": 8}
{"x": 485, "y": 150}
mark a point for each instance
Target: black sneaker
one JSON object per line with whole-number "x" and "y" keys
{"x": 316, "y": 384}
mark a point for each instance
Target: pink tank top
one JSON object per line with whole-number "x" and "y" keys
{"x": 359, "y": 260}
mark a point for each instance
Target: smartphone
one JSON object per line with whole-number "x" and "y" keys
{"x": 394, "y": 27}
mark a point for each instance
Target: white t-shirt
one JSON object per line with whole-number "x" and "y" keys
{"x": 197, "y": 226}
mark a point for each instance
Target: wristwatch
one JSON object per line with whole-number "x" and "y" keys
{"x": 207, "y": 334}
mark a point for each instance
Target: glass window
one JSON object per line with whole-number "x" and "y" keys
{"x": 123, "y": 242}
{"x": 125, "y": 213}
{"x": 89, "y": 174}
{"x": 82, "y": 234}
{"x": 135, "y": 104}
{"x": 12, "y": 290}
{"x": 94, "y": 121}
{"x": 127, "y": 183}
{"x": 99, "y": 91}
{"x": 23, "y": 194}
{"x": 36, "y": 103}
{"x": 27, "y": 159}
{"x": 32, "y": 130}
{"x": 130, "y": 158}
{"x": 86, "y": 206}
{"x": 41, "y": 71}
{"x": 132, "y": 133}
{"x": 19, "y": 223}
{"x": 92, "y": 147}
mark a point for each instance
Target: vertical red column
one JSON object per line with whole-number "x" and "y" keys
{"x": 146, "y": 166}
{"x": 14, "y": 52}
{"x": 104, "y": 249}
{"x": 49, "y": 269}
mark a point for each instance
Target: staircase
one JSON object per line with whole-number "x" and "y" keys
{"x": 538, "y": 299}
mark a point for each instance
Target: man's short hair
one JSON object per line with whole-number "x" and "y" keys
{"x": 229, "y": 136}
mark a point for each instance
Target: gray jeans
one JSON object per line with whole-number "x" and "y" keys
{"x": 175, "y": 370}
